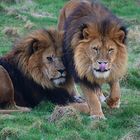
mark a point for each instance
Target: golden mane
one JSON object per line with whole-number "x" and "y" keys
{"x": 100, "y": 23}
{"x": 31, "y": 64}
{"x": 33, "y": 71}
{"x": 83, "y": 63}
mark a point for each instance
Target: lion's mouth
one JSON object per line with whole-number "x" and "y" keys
{"x": 100, "y": 70}
{"x": 101, "y": 73}
{"x": 57, "y": 78}
{"x": 59, "y": 81}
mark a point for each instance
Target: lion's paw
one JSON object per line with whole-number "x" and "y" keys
{"x": 79, "y": 99}
{"x": 98, "y": 117}
{"x": 113, "y": 103}
{"x": 23, "y": 109}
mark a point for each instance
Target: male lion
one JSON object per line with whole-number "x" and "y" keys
{"x": 94, "y": 50}
{"x": 33, "y": 71}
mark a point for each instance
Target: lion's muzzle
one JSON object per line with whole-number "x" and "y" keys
{"x": 102, "y": 70}
{"x": 61, "y": 78}
{"x": 102, "y": 66}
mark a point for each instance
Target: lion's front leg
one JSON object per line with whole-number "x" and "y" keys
{"x": 73, "y": 91}
{"x": 93, "y": 103}
{"x": 113, "y": 100}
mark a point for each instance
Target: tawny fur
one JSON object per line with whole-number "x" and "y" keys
{"x": 66, "y": 11}
{"x": 31, "y": 67}
{"x": 94, "y": 34}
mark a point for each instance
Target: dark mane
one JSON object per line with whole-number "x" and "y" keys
{"x": 93, "y": 13}
{"x": 27, "y": 78}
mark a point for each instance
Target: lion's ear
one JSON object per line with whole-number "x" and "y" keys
{"x": 84, "y": 32}
{"x": 33, "y": 46}
{"x": 120, "y": 36}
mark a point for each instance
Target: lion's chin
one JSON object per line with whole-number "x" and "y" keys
{"x": 59, "y": 81}
{"x": 99, "y": 74}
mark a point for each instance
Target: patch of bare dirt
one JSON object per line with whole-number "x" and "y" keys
{"x": 12, "y": 12}
{"x": 21, "y": 17}
{"x": 134, "y": 43}
{"x": 133, "y": 21}
{"x": 11, "y": 31}
{"x": 61, "y": 113}
{"x": 134, "y": 33}
{"x": 42, "y": 15}
{"x": 29, "y": 25}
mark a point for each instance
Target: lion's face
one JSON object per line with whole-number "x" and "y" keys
{"x": 100, "y": 57}
{"x": 53, "y": 67}
{"x": 40, "y": 58}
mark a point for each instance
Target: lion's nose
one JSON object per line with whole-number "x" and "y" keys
{"x": 102, "y": 65}
{"x": 102, "y": 62}
{"x": 61, "y": 71}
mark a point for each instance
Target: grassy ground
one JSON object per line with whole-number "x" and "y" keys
{"x": 18, "y": 19}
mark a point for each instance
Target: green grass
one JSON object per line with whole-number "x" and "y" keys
{"x": 123, "y": 123}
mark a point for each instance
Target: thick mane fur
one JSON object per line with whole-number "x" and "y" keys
{"x": 24, "y": 66}
{"x": 105, "y": 24}
{"x": 95, "y": 51}
{"x": 23, "y": 51}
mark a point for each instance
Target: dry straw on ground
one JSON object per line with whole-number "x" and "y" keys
{"x": 62, "y": 112}
{"x": 11, "y": 31}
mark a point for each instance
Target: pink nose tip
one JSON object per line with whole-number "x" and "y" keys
{"x": 102, "y": 65}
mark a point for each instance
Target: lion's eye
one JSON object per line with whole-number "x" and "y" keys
{"x": 96, "y": 49}
{"x": 49, "y": 59}
{"x": 110, "y": 50}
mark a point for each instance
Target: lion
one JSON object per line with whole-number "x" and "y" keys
{"x": 95, "y": 51}
{"x": 33, "y": 71}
